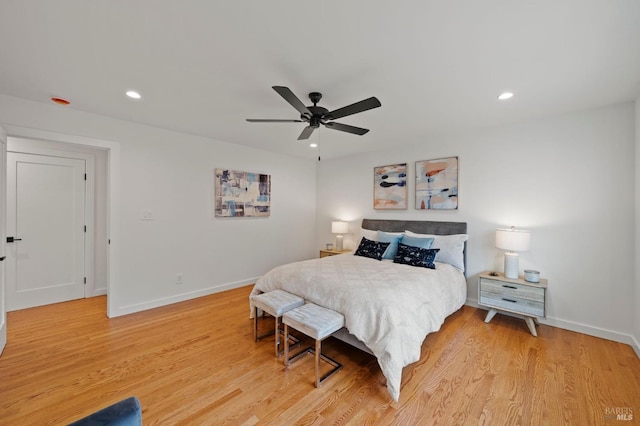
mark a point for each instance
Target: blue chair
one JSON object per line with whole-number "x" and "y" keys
{"x": 124, "y": 413}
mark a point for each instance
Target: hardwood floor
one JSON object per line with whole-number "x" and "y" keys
{"x": 195, "y": 363}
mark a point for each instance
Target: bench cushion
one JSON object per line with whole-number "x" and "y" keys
{"x": 276, "y": 302}
{"x": 314, "y": 321}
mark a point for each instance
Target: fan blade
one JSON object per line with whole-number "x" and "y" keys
{"x": 346, "y": 128}
{"x": 268, "y": 120}
{"x": 292, "y": 99}
{"x": 361, "y": 106}
{"x": 306, "y": 133}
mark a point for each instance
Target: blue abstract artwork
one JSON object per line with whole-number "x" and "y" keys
{"x": 242, "y": 194}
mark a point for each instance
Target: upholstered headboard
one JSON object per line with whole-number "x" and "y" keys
{"x": 419, "y": 227}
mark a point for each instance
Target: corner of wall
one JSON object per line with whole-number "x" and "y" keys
{"x": 636, "y": 287}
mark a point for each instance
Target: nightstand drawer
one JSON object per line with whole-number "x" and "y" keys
{"x": 512, "y": 303}
{"x": 511, "y": 290}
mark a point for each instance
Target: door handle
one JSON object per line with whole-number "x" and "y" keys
{"x": 12, "y": 239}
{"x": 2, "y": 258}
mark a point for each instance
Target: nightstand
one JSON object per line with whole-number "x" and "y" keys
{"x": 520, "y": 297}
{"x": 325, "y": 253}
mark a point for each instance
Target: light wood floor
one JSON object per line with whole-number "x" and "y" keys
{"x": 195, "y": 363}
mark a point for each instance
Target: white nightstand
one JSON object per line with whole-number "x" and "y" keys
{"x": 515, "y": 296}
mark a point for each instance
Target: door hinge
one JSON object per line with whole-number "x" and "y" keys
{"x": 85, "y": 280}
{"x": 85, "y": 176}
{"x": 85, "y": 228}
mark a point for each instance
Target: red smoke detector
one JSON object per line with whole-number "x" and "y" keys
{"x": 60, "y": 101}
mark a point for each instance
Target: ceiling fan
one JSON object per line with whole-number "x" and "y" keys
{"x": 316, "y": 115}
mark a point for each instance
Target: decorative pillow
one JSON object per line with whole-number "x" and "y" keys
{"x": 417, "y": 242}
{"x": 416, "y": 256}
{"x": 372, "y": 249}
{"x": 392, "y": 238}
{"x": 451, "y": 247}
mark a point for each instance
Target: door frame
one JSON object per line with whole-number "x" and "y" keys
{"x": 113, "y": 194}
{"x": 3, "y": 178}
{"x": 27, "y": 146}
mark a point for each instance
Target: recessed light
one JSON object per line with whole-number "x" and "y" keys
{"x": 504, "y": 96}
{"x": 313, "y": 145}
{"x": 133, "y": 94}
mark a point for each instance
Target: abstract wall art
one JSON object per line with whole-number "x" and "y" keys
{"x": 242, "y": 194}
{"x": 437, "y": 184}
{"x": 390, "y": 187}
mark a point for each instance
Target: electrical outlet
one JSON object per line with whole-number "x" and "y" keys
{"x": 179, "y": 279}
{"x": 147, "y": 214}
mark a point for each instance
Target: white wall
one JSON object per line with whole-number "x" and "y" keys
{"x": 172, "y": 174}
{"x": 636, "y": 309}
{"x": 568, "y": 179}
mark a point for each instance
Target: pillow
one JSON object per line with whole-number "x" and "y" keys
{"x": 369, "y": 234}
{"x": 416, "y": 256}
{"x": 451, "y": 247}
{"x": 371, "y": 249}
{"x": 417, "y": 241}
{"x": 392, "y": 238}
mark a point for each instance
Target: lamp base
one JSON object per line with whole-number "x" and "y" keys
{"x": 339, "y": 242}
{"x": 511, "y": 265}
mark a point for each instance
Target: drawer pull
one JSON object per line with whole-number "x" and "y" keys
{"x": 509, "y": 300}
{"x": 509, "y": 286}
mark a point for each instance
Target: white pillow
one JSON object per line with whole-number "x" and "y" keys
{"x": 368, "y": 234}
{"x": 451, "y": 247}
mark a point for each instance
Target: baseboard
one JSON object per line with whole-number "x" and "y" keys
{"x": 156, "y": 303}
{"x": 636, "y": 346}
{"x": 580, "y": 328}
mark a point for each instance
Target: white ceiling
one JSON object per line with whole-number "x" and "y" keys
{"x": 437, "y": 66}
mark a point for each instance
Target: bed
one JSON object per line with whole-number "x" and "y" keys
{"x": 389, "y": 308}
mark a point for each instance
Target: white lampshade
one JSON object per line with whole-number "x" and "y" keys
{"x": 339, "y": 227}
{"x": 512, "y": 239}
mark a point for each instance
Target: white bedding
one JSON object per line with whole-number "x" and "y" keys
{"x": 388, "y": 306}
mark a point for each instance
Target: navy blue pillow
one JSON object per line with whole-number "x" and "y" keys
{"x": 371, "y": 249}
{"x": 416, "y": 256}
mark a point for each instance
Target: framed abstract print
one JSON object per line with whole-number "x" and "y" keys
{"x": 390, "y": 187}
{"x": 437, "y": 184}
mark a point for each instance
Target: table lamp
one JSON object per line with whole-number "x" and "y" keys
{"x": 512, "y": 240}
{"x": 339, "y": 228}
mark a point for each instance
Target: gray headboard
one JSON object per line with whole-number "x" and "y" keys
{"x": 419, "y": 227}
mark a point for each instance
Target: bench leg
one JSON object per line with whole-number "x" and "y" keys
{"x": 286, "y": 345}
{"x": 277, "y": 333}
{"x": 318, "y": 352}
{"x": 255, "y": 324}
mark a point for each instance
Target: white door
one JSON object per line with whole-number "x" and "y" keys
{"x": 3, "y": 310}
{"x": 45, "y": 230}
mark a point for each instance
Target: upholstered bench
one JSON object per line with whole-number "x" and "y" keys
{"x": 123, "y": 413}
{"x": 275, "y": 303}
{"x": 318, "y": 323}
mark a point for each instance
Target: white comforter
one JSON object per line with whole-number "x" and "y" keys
{"x": 390, "y": 307}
